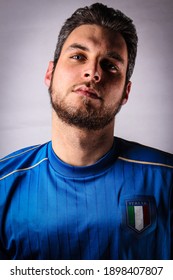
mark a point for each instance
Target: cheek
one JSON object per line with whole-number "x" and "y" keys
{"x": 114, "y": 94}
{"x": 65, "y": 77}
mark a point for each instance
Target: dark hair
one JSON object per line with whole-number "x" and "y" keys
{"x": 101, "y": 15}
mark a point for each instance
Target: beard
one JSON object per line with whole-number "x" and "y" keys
{"x": 87, "y": 116}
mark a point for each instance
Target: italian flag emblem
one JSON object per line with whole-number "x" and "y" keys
{"x": 138, "y": 215}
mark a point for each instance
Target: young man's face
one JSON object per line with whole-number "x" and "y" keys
{"x": 88, "y": 86}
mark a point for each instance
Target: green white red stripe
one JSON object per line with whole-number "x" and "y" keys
{"x": 138, "y": 215}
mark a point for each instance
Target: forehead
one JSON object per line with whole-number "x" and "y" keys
{"x": 95, "y": 36}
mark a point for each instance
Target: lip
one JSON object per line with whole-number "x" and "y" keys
{"x": 87, "y": 91}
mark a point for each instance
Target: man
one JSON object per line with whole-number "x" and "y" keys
{"x": 86, "y": 194}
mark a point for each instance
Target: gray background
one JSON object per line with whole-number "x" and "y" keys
{"x": 28, "y": 35}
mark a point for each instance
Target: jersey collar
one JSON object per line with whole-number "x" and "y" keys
{"x": 68, "y": 170}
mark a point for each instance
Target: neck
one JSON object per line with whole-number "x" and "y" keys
{"x": 79, "y": 147}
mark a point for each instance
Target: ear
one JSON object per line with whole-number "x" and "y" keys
{"x": 48, "y": 75}
{"x": 126, "y": 93}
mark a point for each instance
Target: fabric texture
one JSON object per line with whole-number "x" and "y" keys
{"x": 119, "y": 208}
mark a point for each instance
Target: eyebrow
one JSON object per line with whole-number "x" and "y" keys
{"x": 110, "y": 54}
{"x": 115, "y": 56}
{"x": 77, "y": 46}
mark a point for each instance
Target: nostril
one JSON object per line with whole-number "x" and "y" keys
{"x": 96, "y": 77}
{"x": 92, "y": 76}
{"x": 87, "y": 75}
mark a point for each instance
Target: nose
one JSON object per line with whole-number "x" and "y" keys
{"x": 92, "y": 73}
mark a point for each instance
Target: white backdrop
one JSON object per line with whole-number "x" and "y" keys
{"x": 28, "y": 35}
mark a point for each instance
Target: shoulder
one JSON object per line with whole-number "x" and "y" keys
{"x": 138, "y": 153}
{"x": 23, "y": 159}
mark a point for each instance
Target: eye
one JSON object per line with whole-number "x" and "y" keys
{"x": 109, "y": 66}
{"x": 78, "y": 57}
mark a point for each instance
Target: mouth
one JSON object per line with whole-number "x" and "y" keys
{"x": 88, "y": 92}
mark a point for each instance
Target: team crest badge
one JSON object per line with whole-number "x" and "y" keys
{"x": 138, "y": 213}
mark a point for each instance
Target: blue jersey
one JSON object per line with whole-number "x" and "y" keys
{"x": 121, "y": 207}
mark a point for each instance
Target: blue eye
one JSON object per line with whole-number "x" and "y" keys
{"x": 78, "y": 57}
